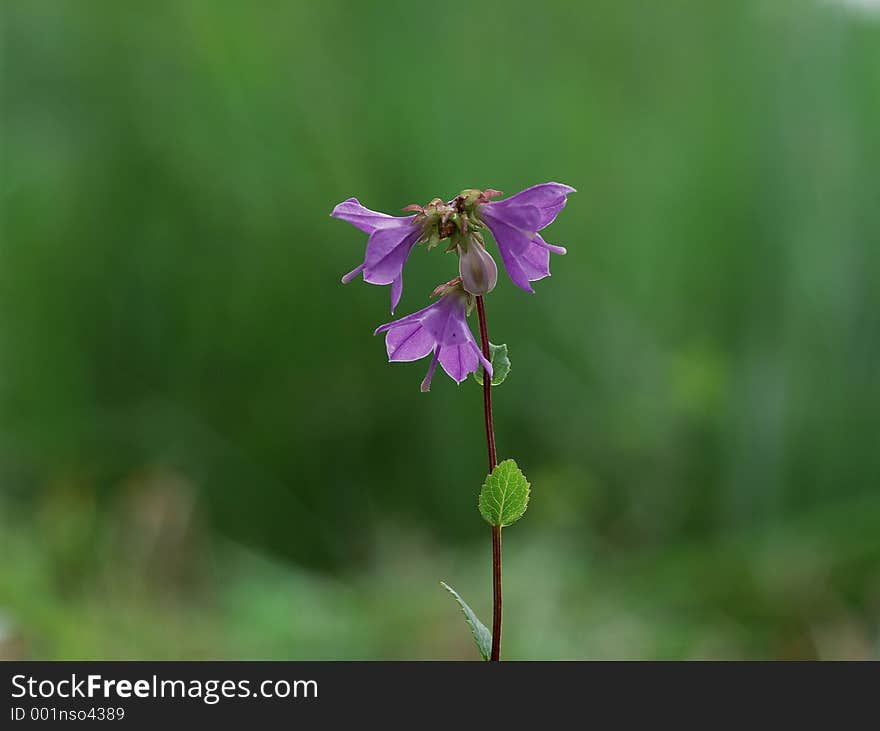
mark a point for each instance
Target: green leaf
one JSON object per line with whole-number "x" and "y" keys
{"x": 500, "y": 365}
{"x": 482, "y": 636}
{"x": 505, "y": 494}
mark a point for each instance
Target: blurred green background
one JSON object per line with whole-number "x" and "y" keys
{"x": 203, "y": 453}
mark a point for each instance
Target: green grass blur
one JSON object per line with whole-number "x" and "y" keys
{"x": 203, "y": 452}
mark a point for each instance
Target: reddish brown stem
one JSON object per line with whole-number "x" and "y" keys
{"x": 496, "y": 594}
{"x": 493, "y": 461}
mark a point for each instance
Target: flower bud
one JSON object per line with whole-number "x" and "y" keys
{"x": 476, "y": 268}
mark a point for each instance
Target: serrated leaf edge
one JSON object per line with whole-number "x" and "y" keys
{"x": 500, "y": 505}
{"x": 482, "y": 635}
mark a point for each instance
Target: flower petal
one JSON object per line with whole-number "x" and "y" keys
{"x": 408, "y": 342}
{"x": 516, "y": 272}
{"x": 485, "y": 361}
{"x": 513, "y": 244}
{"x": 535, "y": 262}
{"x": 539, "y": 240}
{"x": 426, "y": 381}
{"x": 396, "y": 292}
{"x": 548, "y": 198}
{"x": 447, "y": 320}
{"x": 352, "y": 274}
{"x": 459, "y": 361}
{"x": 352, "y": 211}
{"x": 527, "y": 218}
{"x": 387, "y": 252}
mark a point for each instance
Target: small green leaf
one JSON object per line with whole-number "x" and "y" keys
{"x": 505, "y": 494}
{"x": 482, "y": 636}
{"x": 500, "y": 365}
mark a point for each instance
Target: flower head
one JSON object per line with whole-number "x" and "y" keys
{"x": 391, "y": 240}
{"x": 440, "y": 329}
{"x": 515, "y": 222}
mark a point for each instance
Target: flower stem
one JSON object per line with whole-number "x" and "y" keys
{"x": 493, "y": 461}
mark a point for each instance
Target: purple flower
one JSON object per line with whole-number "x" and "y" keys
{"x": 515, "y": 222}
{"x": 391, "y": 240}
{"x": 440, "y": 328}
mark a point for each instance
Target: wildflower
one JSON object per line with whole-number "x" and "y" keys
{"x": 515, "y": 222}
{"x": 441, "y": 329}
{"x": 391, "y": 240}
